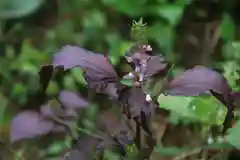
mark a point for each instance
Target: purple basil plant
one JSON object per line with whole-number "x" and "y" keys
{"x": 133, "y": 100}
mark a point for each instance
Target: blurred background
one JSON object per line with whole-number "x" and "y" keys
{"x": 186, "y": 32}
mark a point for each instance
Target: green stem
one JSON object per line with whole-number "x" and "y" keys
{"x": 69, "y": 128}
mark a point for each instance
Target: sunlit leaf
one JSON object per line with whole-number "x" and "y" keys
{"x": 204, "y": 109}
{"x": 176, "y": 104}
{"x": 233, "y": 134}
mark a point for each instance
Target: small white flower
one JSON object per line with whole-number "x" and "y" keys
{"x": 137, "y": 69}
{"x": 149, "y": 48}
{"x": 130, "y": 75}
{"x": 148, "y": 98}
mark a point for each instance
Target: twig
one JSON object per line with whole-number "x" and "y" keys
{"x": 68, "y": 128}
{"x": 210, "y": 41}
{"x": 138, "y": 136}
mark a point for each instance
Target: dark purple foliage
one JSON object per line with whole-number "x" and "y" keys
{"x": 196, "y": 81}
{"x": 29, "y": 124}
{"x": 236, "y": 98}
{"x": 114, "y": 144}
{"x": 98, "y": 70}
{"x": 134, "y": 102}
{"x": 199, "y": 80}
{"x": 88, "y": 146}
{"x": 57, "y": 111}
{"x": 144, "y": 64}
{"x": 137, "y": 105}
{"x": 72, "y": 100}
{"x": 155, "y": 64}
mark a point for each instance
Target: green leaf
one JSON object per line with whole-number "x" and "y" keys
{"x": 172, "y": 151}
{"x": 172, "y": 13}
{"x": 56, "y": 147}
{"x": 231, "y": 73}
{"x": 162, "y": 34}
{"x": 52, "y": 88}
{"x": 208, "y": 109}
{"x": 94, "y": 18}
{"x": 233, "y": 135}
{"x": 131, "y": 8}
{"x": 19, "y": 91}
{"x": 3, "y": 108}
{"x": 227, "y": 27}
{"x": 18, "y": 8}
{"x": 117, "y": 47}
{"x": 138, "y": 31}
{"x": 29, "y": 68}
{"x": 69, "y": 82}
{"x": 108, "y": 155}
{"x": 204, "y": 109}
{"x": 132, "y": 151}
{"x": 231, "y": 50}
{"x": 77, "y": 74}
{"x": 5, "y": 69}
{"x": 178, "y": 104}
{"x": 127, "y": 82}
{"x": 64, "y": 31}
{"x": 29, "y": 59}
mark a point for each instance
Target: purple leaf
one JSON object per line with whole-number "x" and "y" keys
{"x": 235, "y": 95}
{"x": 236, "y": 98}
{"x": 29, "y": 124}
{"x": 134, "y": 102}
{"x": 112, "y": 143}
{"x": 112, "y": 90}
{"x": 196, "y": 81}
{"x": 49, "y": 111}
{"x": 51, "y": 108}
{"x": 72, "y": 100}
{"x": 73, "y": 56}
{"x": 98, "y": 70}
{"x": 155, "y": 64}
{"x": 146, "y": 65}
{"x": 88, "y": 145}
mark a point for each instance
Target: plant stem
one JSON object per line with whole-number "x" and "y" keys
{"x": 70, "y": 131}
